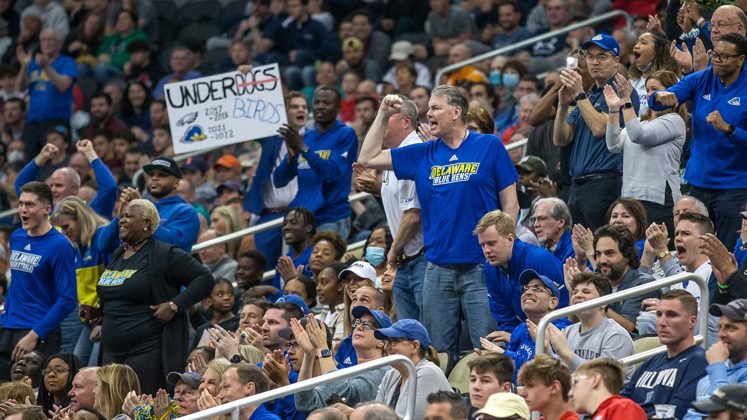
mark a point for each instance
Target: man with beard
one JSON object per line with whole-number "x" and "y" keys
{"x": 321, "y": 159}
{"x": 509, "y": 31}
{"x": 102, "y": 111}
{"x": 716, "y": 171}
{"x": 617, "y": 259}
{"x": 179, "y": 222}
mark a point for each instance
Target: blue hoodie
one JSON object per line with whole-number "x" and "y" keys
{"x": 504, "y": 289}
{"x": 717, "y": 160}
{"x": 521, "y": 346}
{"x": 324, "y": 172}
{"x": 719, "y": 374}
{"x": 178, "y": 225}
{"x": 665, "y": 380}
{"x": 106, "y": 196}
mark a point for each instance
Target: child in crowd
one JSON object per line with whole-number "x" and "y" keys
{"x": 221, "y": 302}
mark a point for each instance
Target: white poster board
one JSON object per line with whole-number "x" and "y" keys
{"x": 225, "y": 108}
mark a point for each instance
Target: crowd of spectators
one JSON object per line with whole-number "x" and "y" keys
{"x": 631, "y": 169}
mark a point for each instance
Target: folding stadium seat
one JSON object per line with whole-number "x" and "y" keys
{"x": 212, "y": 60}
{"x": 459, "y": 376}
{"x": 443, "y": 359}
{"x": 198, "y": 32}
{"x": 89, "y": 86}
{"x": 200, "y": 11}
{"x": 165, "y": 20}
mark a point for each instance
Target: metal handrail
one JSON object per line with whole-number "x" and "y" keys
{"x": 270, "y": 274}
{"x": 234, "y": 408}
{"x": 7, "y": 213}
{"x": 634, "y": 359}
{"x": 136, "y": 176}
{"x": 532, "y": 41}
{"x": 624, "y": 294}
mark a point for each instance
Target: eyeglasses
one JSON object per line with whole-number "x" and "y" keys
{"x": 721, "y": 25}
{"x": 367, "y": 325}
{"x": 58, "y": 370}
{"x": 534, "y": 288}
{"x": 601, "y": 58}
{"x": 721, "y": 57}
{"x": 392, "y": 341}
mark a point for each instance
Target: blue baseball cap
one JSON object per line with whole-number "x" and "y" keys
{"x": 605, "y": 42}
{"x": 194, "y": 164}
{"x": 528, "y": 275}
{"x": 381, "y": 318}
{"x": 405, "y": 328}
{"x": 296, "y": 300}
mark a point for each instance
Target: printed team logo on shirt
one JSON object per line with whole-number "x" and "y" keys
{"x": 304, "y": 164}
{"x": 649, "y": 380}
{"x": 736, "y": 101}
{"x": 24, "y": 261}
{"x": 707, "y": 96}
{"x": 115, "y": 277}
{"x": 456, "y": 172}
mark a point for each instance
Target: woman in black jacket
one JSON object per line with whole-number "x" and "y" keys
{"x": 145, "y": 324}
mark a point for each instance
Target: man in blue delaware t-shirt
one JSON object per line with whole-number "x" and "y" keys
{"x": 43, "y": 291}
{"x": 672, "y": 377}
{"x": 716, "y": 170}
{"x": 322, "y": 159}
{"x": 49, "y": 76}
{"x": 458, "y": 177}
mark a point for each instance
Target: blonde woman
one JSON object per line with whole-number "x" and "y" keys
{"x": 225, "y": 220}
{"x": 145, "y": 291}
{"x": 213, "y": 376}
{"x": 82, "y": 226}
{"x": 113, "y": 383}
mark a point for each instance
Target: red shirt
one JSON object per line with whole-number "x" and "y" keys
{"x": 618, "y": 407}
{"x": 568, "y": 415}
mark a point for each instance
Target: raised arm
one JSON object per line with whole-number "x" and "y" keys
{"x": 373, "y": 155}
{"x": 562, "y": 132}
{"x": 104, "y": 202}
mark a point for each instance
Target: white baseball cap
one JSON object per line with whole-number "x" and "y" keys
{"x": 361, "y": 269}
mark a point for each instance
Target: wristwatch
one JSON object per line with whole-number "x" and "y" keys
{"x": 627, "y": 105}
{"x": 173, "y": 306}
{"x": 663, "y": 253}
{"x": 732, "y": 128}
{"x": 236, "y": 359}
{"x": 581, "y": 96}
{"x": 323, "y": 354}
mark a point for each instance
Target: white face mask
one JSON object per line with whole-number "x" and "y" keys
{"x": 646, "y": 67}
{"x": 15, "y": 156}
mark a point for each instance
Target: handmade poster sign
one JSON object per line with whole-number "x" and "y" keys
{"x": 226, "y": 108}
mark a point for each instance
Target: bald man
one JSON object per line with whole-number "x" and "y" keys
{"x": 82, "y": 392}
{"x": 65, "y": 182}
{"x": 458, "y": 53}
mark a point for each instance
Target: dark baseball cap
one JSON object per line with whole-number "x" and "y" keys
{"x": 381, "y": 318}
{"x": 194, "y": 164}
{"x": 192, "y": 379}
{"x": 736, "y": 310}
{"x": 533, "y": 164}
{"x": 165, "y": 164}
{"x": 528, "y": 275}
{"x": 231, "y": 185}
{"x": 728, "y": 397}
{"x": 405, "y": 328}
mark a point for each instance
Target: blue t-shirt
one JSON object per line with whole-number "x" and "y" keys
{"x": 456, "y": 187}
{"x": 504, "y": 289}
{"x": 589, "y": 154}
{"x": 45, "y": 101}
{"x": 43, "y": 290}
{"x": 664, "y": 380}
{"x": 346, "y": 355}
{"x": 716, "y": 160}
{"x": 324, "y": 172}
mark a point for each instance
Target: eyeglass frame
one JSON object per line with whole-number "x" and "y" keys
{"x": 58, "y": 370}
{"x": 536, "y": 288}
{"x": 591, "y": 58}
{"x": 721, "y": 25}
{"x": 370, "y": 324}
{"x": 392, "y": 341}
{"x": 722, "y": 57}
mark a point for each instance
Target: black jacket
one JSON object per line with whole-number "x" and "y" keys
{"x": 737, "y": 283}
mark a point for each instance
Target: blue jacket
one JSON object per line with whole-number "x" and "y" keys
{"x": 324, "y": 172}
{"x": 504, "y": 290}
{"x": 254, "y": 200}
{"x": 717, "y": 160}
{"x": 739, "y": 253}
{"x": 719, "y": 374}
{"x": 346, "y": 355}
{"x": 664, "y": 380}
{"x": 564, "y": 248}
{"x": 106, "y": 197}
{"x": 521, "y": 346}
{"x": 178, "y": 226}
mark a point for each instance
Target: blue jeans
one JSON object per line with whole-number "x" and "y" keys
{"x": 723, "y": 208}
{"x": 87, "y": 350}
{"x": 270, "y": 242}
{"x": 452, "y": 293}
{"x": 104, "y": 72}
{"x": 341, "y": 226}
{"x": 70, "y": 327}
{"x": 408, "y": 289}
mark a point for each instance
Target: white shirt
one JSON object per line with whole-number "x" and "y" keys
{"x": 639, "y": 86}
{"x": 704, "y": 272}
{"x": 399, "y": 196}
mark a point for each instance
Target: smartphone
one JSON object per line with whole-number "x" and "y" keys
{"x": 571, "y": 62}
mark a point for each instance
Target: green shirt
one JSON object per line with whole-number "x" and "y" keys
{"x": 115, "y": 45}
